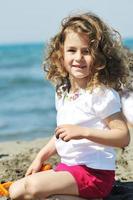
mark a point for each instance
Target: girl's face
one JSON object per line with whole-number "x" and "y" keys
{"x": 77, "y": 58}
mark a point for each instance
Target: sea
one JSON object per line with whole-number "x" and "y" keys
{"x": 27, "y": 99}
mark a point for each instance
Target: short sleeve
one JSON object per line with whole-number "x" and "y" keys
{"x": 106, "y": 102}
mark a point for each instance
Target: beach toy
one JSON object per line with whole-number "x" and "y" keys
{"x": 45, "y": 167}
{"x": 4, "y": 187}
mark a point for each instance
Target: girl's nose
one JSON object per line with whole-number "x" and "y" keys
{"x": 78, "y": 56}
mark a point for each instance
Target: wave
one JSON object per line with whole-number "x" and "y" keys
{"x": 128, "y": 42}
{"x": 27, "y": 135}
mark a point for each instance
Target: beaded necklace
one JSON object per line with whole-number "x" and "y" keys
{"x": 72, "y": 96}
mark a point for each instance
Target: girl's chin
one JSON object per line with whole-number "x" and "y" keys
{"x": 79, "y": 76}
{"x": 79, "y": 73}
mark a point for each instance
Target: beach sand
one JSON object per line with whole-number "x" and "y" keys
{"x": 16, "y": 156}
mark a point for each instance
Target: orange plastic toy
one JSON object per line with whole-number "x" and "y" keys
{"x": 4, "y": 187}
{"x": 45, "y": 167}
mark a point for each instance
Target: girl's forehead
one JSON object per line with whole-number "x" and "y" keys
{"x": 73, "y": 36}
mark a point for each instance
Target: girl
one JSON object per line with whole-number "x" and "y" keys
{"x": 88, "y": 66}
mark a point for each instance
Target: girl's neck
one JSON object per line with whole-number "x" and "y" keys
{"x": 77, "y": 84}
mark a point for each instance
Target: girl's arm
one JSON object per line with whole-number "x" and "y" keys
{"x": 48, "y": 150}
{"x": 116, "y": 136}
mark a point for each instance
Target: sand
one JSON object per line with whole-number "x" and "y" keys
{"x": 16, "y": 156}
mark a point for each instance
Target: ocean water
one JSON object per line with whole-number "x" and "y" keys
{"x": 27, "y": 109}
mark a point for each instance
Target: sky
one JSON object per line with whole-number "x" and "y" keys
{"x": 38, "y": 20}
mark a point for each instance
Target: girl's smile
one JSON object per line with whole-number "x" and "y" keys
{"x": 79, "y": 66}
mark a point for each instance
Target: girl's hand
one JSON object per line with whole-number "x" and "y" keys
{"x": 67, "y": 132}
{"x": 34, "y": 167}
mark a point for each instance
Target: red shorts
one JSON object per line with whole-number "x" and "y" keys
{"x": 92, "y": 183}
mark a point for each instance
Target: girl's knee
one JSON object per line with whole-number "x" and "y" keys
{"x": 23, "y": 189}
{"x": 31, "y": 188}
{"x": 13, "y": 191}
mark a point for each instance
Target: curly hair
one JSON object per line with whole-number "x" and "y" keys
{"x": 108, "y": 54}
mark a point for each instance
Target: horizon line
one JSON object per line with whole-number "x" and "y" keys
{"x": 41, "y": 42}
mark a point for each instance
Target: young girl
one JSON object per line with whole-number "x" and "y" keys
{"x": 87, "y": 64}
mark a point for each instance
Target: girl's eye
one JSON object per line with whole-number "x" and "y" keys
{"x": 86, "y": 51}
{"x": 71, "y": 50}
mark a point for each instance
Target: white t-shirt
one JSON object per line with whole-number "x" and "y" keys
{"x": 88, "y": 110}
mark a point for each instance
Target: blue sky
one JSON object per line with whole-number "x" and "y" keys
{"x": 37, "y": 20}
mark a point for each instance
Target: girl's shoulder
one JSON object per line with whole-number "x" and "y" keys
{"x": 104, "y": 91}
{"x": 105, "y": 101}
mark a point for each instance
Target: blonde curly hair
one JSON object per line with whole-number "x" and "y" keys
{"x": 109, "y": 58}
